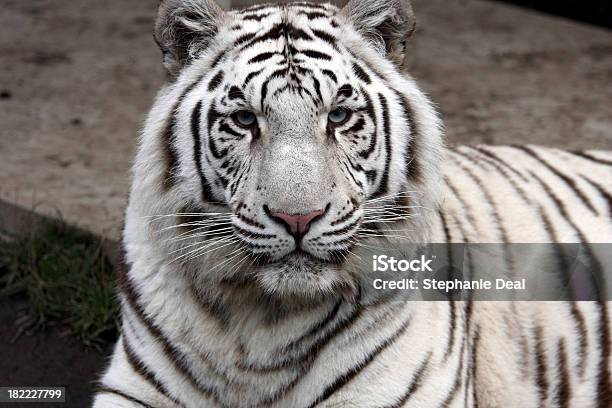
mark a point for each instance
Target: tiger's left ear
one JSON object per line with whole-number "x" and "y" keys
{"x": 387, "y": 24}
{"x": 184, "y": 27}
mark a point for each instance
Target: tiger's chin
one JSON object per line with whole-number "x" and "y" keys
{"x": 304, "y": 276}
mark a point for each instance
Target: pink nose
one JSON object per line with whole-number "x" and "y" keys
{"x": 298, "y": 225}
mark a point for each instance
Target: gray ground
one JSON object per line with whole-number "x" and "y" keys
{"x": 78, "y": 76}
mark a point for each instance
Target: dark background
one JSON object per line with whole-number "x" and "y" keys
{"x": 598, "y": 12}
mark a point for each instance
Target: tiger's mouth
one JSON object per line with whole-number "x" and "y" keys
{"x": 302, "y": 257}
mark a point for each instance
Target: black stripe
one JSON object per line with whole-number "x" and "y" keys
{"x": 256, "y": 17}
{"x": 169, "y": 151}
{"x": 309, "y": 4}
{"x": 452, "y": 318}
{"x": 215, "y": 81}
{"x": 280, "y": 73}
{"x": 297, "y": 33}
{"x": 236, "y": 93}
{"x": 470, "y": 350}
{"x": 317, "y": 86}
{"x": 541, "y": 367}
{"x": 207, "y": 193}
{"x": 499, "y": 160}
{"x": 275, "y": 33}
{"x": 563, "y": 392}
{"x": 343, "y": 230}
{"x": 236, "y": 183}
{"x": 316, "y": 55}
{"x": 218, "y": 58}
{"x": 571, "y": 183}
{"x": 350, "y": 173}
{"x": 108, "y": 390}
{"x": 225, "y": 128}
{"x": 347, "y": 216}
{"x": 345, "y": 378}
{"x": 454, "y": 391}
{"x": 372, "y": 114}
{"x": 604, "y": 194}
{"x": 446, "y": 229}
{"x": 466, "y": 209}
{"x": 259, "y": 7}
{"x": 251, "y": 76}
{"x": 474, "y": 367}
{"x": 244, "y": 38}
{"x": 592, "y": 158}
{"x": 249, "y": 234}
{"x": 314, "y": 15}
{"x": 559, "y": 204}
{"x": 330, "y": 74}
{"x": 361, "y": 74}
{"x": 415, "y": 383}
{"x": 250, "y": 222}
{"x": 604, "y": 387}
{"x": 213, "y": 117}
{"x": 326, "y": 37}
{"x": 145, "y": 372}
{"x": 346, "y": 91}
{"x": 262, "y": 57}
{"x": 358, "y": 126}
{"x": 413, "y": 164}
{"x": 581, "y": 333}
{"x": 383, "y": 187}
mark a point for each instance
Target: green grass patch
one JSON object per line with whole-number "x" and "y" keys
{"x": 66, "y": 277}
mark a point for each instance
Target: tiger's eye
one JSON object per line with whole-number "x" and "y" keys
{"x": 338, "y": 116}
{"x": 245, "y": 118}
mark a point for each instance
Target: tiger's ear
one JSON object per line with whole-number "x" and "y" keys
{"x": 184, "y": 27}
{"x": 387, "y": 24}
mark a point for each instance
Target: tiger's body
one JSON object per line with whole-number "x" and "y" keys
{"x": 232, "y": 297}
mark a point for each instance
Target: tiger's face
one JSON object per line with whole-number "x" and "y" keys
{"x": 292, "y": 136}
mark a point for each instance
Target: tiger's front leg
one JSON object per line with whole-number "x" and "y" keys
{"x": 128, "y": 384}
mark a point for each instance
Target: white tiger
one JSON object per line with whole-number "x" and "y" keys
{"x": 288, "y": 141}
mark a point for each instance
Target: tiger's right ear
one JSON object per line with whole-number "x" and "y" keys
{"x": 183, "y": 28}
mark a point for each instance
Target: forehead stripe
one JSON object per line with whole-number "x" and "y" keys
{"x": 326, "y": 37}
{"x": 313, "y": 15}
{"x": 244, "y": 38}
{"x": 263, "y": 57}
{"x": 361, "y": 74}
{"x": 256, "y": 17}
{"x": 215, "y": 81}
{"x": 316, "y": 54}
{"x": 250, "y": 77}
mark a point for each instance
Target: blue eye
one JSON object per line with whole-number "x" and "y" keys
{"x": 339, "y": 116}
{"x": 245, "y": 118}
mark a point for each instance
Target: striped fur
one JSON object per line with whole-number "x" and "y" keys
{"x": 222, "y": 307}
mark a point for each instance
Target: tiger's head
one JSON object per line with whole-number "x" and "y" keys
{"x": 286, "y": 143}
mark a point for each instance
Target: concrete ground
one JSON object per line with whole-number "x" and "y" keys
{"x": 78, "y": 77}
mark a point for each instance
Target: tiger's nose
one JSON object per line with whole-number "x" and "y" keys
{"x": 296, "y": 224}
